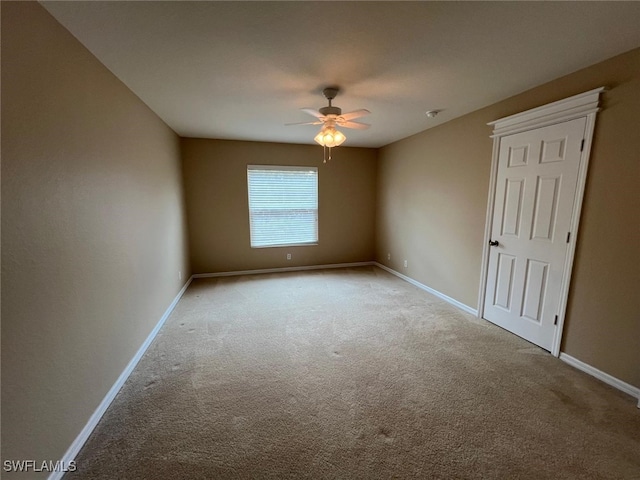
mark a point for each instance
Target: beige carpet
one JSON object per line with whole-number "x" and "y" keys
{"x": 353, "y": 374}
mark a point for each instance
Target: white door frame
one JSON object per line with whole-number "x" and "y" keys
{"x": 582, "y": 105}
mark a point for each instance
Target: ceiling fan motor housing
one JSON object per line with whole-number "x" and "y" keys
{"x": 326, "y": 111}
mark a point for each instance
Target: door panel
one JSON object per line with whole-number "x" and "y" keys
{"x": 504, "y": 281}
{"x": 546, "y": 203}
{"x": 534, "y": 287}
{"x": 513, "y": 207}
{"x": 535, "y": 193}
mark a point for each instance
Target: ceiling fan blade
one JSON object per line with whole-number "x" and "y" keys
{"x": 313, "y": 112}
{"x": 355, "y": 114}
{"x": 304, "y": 123}
{"x": 356, "y": 125}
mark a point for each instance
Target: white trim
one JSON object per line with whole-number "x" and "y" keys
{"x": 282, "y": 269}
{"x": 82, "y": 437}
{"x": 438, "y": 294}
{"x": 561, "y": 111}
{"x": 602, "y": 376}
{"x": 289, "y": 168}
{"x": 487, "y": 227}
{"x": 575, "y": 223}
{"x": 578, "y": 106}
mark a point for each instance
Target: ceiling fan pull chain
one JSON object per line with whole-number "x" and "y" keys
{"x": 324, "y": 154}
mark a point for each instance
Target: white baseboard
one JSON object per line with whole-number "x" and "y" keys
{"x": 438, "y": 294}
{"x": 82, "y": 437}
{"x": 282, "y": 269}
{"x": 600, "y": 375}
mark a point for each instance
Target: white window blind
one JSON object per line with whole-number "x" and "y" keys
{"x": 283, "y": 205}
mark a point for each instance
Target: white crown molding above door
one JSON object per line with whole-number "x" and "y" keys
{"x": 580, "y": 105}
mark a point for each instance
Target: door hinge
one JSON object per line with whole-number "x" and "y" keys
{"x": 582, "y": 145}
{"x": 555, "y": 320}
{"x": 568, "y": 236}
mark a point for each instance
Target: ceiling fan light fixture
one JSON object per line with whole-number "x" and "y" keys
{"x": 330, "y": 137}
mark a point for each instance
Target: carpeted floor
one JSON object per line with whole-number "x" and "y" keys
{"x": 353, "y": 374}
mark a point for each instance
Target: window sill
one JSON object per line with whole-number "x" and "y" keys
{"x": 287, "y": 245}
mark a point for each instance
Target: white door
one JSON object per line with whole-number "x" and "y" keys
{"x": 534, "y": 199}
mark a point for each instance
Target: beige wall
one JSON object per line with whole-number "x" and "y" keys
{"x": 93, "y": 232}
{"x": 215, "y": 179}
{"x": 431, "y": 206}
{"x": 432, "y": 197}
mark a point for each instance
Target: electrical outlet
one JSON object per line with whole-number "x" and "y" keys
{"x": 288, "y": 256}
{"x": 388, "y": 256}
{"x": 179, "y": 275}
{"x": 405, "y": 264}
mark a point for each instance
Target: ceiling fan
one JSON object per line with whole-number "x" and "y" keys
{"x": 331, "y": 117}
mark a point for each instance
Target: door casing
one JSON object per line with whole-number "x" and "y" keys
{"x": 582, "y": 105}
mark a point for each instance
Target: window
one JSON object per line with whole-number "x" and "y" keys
{"x": 283, "y": 205}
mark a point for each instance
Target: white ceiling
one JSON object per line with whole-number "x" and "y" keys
{"x": 241, "y": 70}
